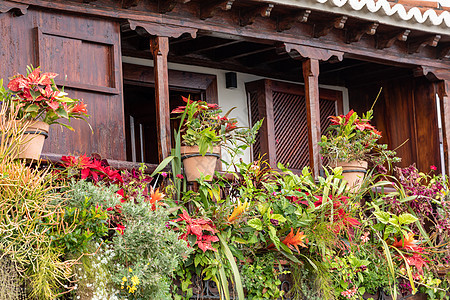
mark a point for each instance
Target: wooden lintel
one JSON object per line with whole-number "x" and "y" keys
{"x": 250, "y": 15}
{"x": 210, "y": 9}
{"x": 355, "y": 35}
{"x": 159, "y": 46}
{"x": 286, "y": 22}
{"x": 162, "y": 29}
{"x": 419, "y": 43}
{"x": 311, "y": 76}
{"x": 311, "y": 52}
{"x": 444, "y": 52}
{"x": 324, "y": 28}
{"x": 387, "y": 40}
{"x": 19, "y": 9}
{"x": 88, "y": 1}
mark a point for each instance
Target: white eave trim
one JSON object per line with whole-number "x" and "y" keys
{"x": 380, "y": 11}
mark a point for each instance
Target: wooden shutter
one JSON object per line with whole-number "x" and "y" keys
{"x": 85, "y": 52}
{"x": 286, "y": 141}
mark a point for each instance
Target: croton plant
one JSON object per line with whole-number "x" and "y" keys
{"x": 36, "y": 97}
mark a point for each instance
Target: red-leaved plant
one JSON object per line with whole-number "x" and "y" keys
{"x": 38, "y": 98}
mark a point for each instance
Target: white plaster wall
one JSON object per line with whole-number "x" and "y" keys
{"x": 229, "y": 98}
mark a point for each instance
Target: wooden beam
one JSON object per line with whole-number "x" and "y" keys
{"x": 165, "y": 6}
{"x": 324, "y": 28}
{"x": 355, "y": 35}
{"x": 286, "y": 22}
{"x": 208, "y": 10}
{"x": 159, "y": 47}
{"x": 387, "y": 40}
{"x": 130, "y": 3}
{"x": 419, "y": 43}
{"x": 249, "y": 16}
{"x": 311, "y": 77}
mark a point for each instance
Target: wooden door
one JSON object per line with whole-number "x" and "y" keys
{"x": 85, "y": 52}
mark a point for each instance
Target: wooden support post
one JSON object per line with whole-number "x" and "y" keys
{"x": 444, "y": 94}
{"x": 159, "y": 47}
{"x": 311, "y": 77}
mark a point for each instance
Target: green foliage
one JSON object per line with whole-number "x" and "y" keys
{"x": 149, "y": 249}
{"x": 263, "y": 270}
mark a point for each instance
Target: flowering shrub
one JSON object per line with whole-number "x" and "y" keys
{"x": 37, "y": 97}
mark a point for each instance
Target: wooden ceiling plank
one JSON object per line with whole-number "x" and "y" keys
{"x": 419, "y": 43}
{"x": 444, "y": 52}
{"x": 128, "y": 3}
{"x": 354, "y": 35}
{"x": 324, "y": 28}
{"x": 208, "y": 10}
{"x": 165, "y": 6}
{"x": 387, "y": 40}
{"x": 286, "y": 22}
{"x": 249, "y": 16}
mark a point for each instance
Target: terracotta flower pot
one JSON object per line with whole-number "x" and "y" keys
{"x": 195, "y": 164}
{"x": 33, "y": 140}
{"x": 353, "y": 173}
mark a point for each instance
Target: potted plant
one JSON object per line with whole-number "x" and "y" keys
{"x": 350, "y": 142}
{"x": 203, "y": 132}
{"x": 39, "y": 103}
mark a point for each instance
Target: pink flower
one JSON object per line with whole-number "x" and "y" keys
{"x": 164, "y": 174}
{"x": 120, "y": 228}
{"x": 433, "y": 167}
{"x": 180, "y": 176}
{"x": 365, "y": 237}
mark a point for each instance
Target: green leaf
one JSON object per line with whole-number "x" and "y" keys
{"x": 234, "y": 268}
{"x": 32, "y": 108}
{"x": 382, "y": 216}
{"x": 278, "y": 217}
{"x": 162, "y": 165}
{"x": 62, "y": 112}
{"x": 406, "y": 219}
{"x": 255, "y": 223}
{"x": 273, "y": 237}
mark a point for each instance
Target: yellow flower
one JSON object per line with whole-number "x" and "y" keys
{"x": 124, "y": 279}
{"x": 129, "y": 270}
{"x": 132, "y": 289}
{"x": 239, "y": 209}
{"x": 135, "y": 280}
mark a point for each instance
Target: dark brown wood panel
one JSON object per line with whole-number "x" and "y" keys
{"x": 406, "y": 115}
{"x": 87, "y": 50}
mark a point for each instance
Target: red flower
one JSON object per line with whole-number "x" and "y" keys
{"x": 433, "y": 167}
{"x": 231, "y": 125}
{"x": 79, "y": 108}
{"x": 180, "y": 176}
{"x": 120, "y": 228}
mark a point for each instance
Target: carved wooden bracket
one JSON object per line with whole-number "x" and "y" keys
{"x": 165, "y": 6}
{"x": 418, "y": 44}
{"x": 302, "y": 51}
{"x": 387, "y": 40}
{"x": 435, "y": 74}
{"x": 19, "y": 9}
{"x": 444, "y": 52}
{"x": 324, "y": 29}
{"x": 249, "y": 16}
{"x": 286, "y": 22}
{"x": 156, "y": 29}
{"x": 130, "y": 3}
{"x": 355, "y": 35}
{"x": 210, "y": 9}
